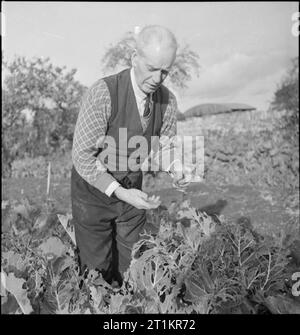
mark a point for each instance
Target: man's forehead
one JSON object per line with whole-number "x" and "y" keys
{"x": 154, "y": 60}
{"x": 159, "y": 66}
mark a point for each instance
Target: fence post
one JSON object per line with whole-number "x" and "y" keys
{"x": 48, "y": 179}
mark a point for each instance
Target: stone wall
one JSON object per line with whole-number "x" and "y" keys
{"x": 234, "y": 122}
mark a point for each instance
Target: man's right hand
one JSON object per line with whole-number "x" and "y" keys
{"x": 137, "y": 198}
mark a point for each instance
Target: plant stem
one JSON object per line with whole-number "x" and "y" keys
{"x": 268, "y": 274}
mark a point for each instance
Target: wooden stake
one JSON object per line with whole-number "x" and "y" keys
{"x": 48, "y": 179}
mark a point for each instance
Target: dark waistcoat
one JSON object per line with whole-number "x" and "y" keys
{"x": 125, "y": 114}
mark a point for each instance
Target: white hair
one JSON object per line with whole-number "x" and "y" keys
{"x": 155, "y": 34}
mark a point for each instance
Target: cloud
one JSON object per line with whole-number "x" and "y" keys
{"x": 260, "y": 92}
{"x": 53, "y": 35}
{"x": 235, "y": 73}
{"x": 257, "y": 93}
{"x": 238, "y": 77}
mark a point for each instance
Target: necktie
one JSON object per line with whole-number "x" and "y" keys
{"x": 147, "y": 109}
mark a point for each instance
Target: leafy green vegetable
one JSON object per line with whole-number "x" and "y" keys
{"x": 193, "y": 264}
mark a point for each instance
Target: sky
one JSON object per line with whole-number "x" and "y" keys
{"x": 244, "y": 48}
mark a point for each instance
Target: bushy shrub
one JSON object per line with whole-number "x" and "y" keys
{"x": 40, "y": 103}
{"x": 286, "y": 98}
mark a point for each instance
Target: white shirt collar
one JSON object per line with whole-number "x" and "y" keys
{"x": 139, "y": 94}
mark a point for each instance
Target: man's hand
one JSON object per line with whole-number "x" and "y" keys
{"x": 137, "y": 198}
{"x": 180, "y": 179}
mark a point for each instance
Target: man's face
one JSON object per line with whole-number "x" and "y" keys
{"x": 152, "y": 67}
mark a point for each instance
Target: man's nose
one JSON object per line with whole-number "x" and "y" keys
{"x": 157, "y": 78}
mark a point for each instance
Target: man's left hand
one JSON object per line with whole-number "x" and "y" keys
{"x": 180, "y": 179}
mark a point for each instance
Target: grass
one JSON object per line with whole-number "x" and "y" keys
{"x": 35, "y": 189}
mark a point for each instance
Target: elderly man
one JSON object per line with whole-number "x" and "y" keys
{"x": 108, "y": 205}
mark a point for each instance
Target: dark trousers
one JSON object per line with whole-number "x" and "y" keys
{"x": 105, "y": 228}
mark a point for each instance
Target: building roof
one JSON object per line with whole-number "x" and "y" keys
{"x": 217, "y": 108}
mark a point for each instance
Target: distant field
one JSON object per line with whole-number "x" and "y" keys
{"x": 35, "y": 190}
{"x": 266, "y": 210}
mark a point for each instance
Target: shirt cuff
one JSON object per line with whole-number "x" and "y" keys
{"x": 103, "y": 181}
{"x": 111, "y": 188}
